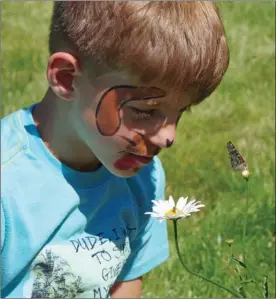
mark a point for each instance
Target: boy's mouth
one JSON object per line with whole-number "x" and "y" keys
{"x": 142, "y": 159}
{"x": 130, "y": 161}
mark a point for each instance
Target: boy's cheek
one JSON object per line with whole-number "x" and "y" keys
{"x": 144, "y": 127}
{"x": 88, "y": 118}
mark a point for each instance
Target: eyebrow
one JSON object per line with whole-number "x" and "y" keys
{"x": 154, "y": 103}
{"x": 158, "y": 101}
{"x": 141, "y": 97}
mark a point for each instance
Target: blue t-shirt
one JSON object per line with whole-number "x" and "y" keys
{"x": 66, "y": 233}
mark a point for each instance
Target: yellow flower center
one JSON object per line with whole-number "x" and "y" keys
{"x": 171, "y": 212}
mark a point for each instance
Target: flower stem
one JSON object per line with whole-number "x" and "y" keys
{"x": 237, "y": 295}
{"x": 245, "y": 221}
{"x": 244, "y": 235}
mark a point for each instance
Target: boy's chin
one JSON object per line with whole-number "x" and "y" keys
{"x": 125, "y": 173}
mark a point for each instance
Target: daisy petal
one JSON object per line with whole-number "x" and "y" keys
{"x": 181, "y": 203}
{"x": 171, "y": 202}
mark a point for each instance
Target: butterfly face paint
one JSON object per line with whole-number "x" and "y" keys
{"x": 113, "y": 100}
{"x": 137, "y": 150}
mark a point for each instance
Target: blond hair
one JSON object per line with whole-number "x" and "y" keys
{"x": 180, "y": 45}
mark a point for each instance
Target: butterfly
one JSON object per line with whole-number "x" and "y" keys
{"x": 237, "y": 161}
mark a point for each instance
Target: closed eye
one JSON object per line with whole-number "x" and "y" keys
{"x": 139, "y": 114}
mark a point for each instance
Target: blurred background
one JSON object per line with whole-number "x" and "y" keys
{"x": 242, "y": 110}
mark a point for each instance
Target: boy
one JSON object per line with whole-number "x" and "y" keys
{"x": 79, "y": 168}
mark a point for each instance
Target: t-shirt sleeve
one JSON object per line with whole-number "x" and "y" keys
{"x": 150, "y": 247}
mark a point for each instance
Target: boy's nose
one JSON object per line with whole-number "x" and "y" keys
{"x": 165, "y": 137}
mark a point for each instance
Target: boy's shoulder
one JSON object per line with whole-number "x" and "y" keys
{"x": 14, "y": 140}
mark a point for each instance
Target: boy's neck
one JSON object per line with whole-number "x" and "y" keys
{"x": 52, "y": 119}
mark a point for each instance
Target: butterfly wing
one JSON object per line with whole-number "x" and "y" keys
{"x": 237, "y": 161}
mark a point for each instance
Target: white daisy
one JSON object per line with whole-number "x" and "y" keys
{"x": 167, "y": 209}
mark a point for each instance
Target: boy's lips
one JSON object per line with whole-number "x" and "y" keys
{"x": 142, "y": 159}
{"x": 130, "y": 161}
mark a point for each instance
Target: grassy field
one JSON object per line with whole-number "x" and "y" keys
{"x": 241, "y": 110}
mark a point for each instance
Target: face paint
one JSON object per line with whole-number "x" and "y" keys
{"x": 138, "y": 153}
{"x": 141, "y": 146}
{"x": 108, "y": 118}
{"x": 105, "y": 121}
{"x": 169, "y": 143}
{"x": 131, "y": 161}
{"x": 138, "y": 150}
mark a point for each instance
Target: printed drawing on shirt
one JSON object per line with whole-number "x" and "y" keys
{"x": 73, "y": 269}
{"x": 53, "y": 277}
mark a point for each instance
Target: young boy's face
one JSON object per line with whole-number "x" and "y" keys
{"x": 125, "y": 123}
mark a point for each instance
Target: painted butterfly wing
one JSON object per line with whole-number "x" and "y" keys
{"x": 237, "y": 161}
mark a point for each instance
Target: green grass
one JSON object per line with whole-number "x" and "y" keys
{"x": 241, "y": 110}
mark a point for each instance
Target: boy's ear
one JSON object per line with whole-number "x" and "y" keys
{"x": 61, "y": 71}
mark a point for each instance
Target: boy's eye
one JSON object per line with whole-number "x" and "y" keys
{"x": 139, "y": 114}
